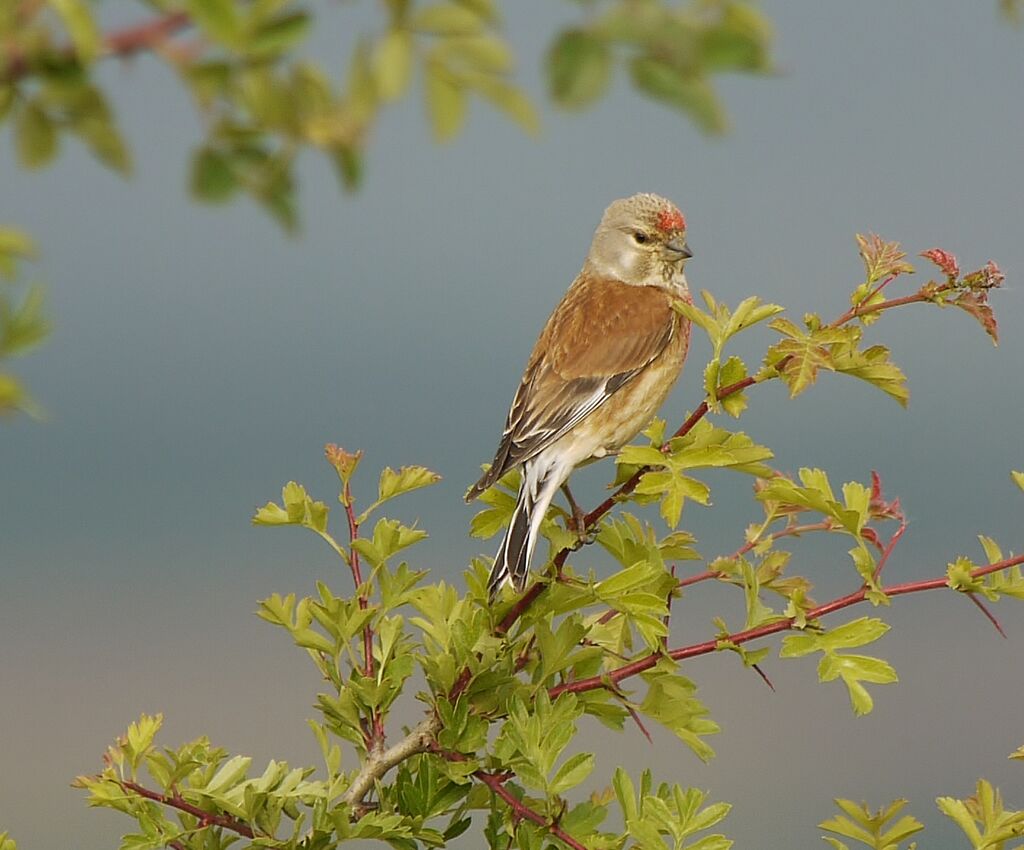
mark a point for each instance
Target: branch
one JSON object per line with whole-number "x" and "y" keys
{"x": 496, "y": 782}
{"x": 379, "y": 761}
{"x": 182, "y": 805}
{"x": 357, "y": 577}
{"x": 606, "y": 680}
{"x": 120, "y": 43}
{"x": 592, "y": 518}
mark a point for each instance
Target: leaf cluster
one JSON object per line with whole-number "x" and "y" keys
{"x": 265, "y": 99}
{"x": 22, "y": 322}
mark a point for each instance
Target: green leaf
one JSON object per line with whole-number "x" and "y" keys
{"x": 392, "y": 64}
{"x": 447, "y": 19}
{"x": 17, "y": 243}
{"x": 478, "y": 53}
{"x": 98, "y": 131}
{"x": 801, "y": 356}
{"x": 572, "y": 773}
{"x": 212, "y": 179}
{"x": 446, "y": 102}
{"x": 348, "y": 163}
{"x": 218, "y": 19}
{"x": 874, "y": 366}
{"x": 1018, "y": 479}
{"x": 389, "y": 538}
{"x": 405, "y": 480}
{"x": 509, "y": 99}
{"x": 278, "y": 35}
{"x": 35, "y": 136}
{"x": 859, "y": 632}
{"x": 232, "y": 772}
{"x": 711, "y": 842}
{"x": 957, "y": 811}
{"x": 81, "y": 25}
{"x": 686, "y": 92}
{"x": 732, "y": 372}
{"x": 625, "y": 792}
{"x": 578, "y": 67}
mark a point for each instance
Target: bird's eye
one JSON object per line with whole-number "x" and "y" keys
{"x": 640, "y": 237}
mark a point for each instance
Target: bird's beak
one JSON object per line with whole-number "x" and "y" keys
{"x": 677, "y": 246}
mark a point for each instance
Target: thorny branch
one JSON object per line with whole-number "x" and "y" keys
{"x": 591, "y": 519}
{"x": 175, "y": 801}
{"x": 496, "y": 782}
{"x": 706, "y": 647}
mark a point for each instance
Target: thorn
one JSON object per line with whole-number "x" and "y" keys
{"x": 984, "y": 610}
{"x": 640, "y": 724}
{"x": 761, "y": 673}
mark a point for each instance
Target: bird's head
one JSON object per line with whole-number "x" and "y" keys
{"x": 641, "y": 240}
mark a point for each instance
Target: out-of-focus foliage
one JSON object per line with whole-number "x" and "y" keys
{"x": 265, "y": 98}
{"x": 22, "y": 325}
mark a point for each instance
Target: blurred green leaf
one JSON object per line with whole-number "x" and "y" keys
{"x": 392, "y": 64}
{"x": 687, "y": 92}
{"x": 278, "y": 35}
{"x": 447, "y": 19}
{"x": 218, "y": 18}
{"x": 85, "y": 35}
{"x": 35, "y": 136}
{"x": 446, "y": 102}
{"x": 579, "y": 68}
{"x": 212, "y": 178}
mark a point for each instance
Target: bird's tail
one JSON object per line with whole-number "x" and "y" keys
{"x": 512, "y": 563}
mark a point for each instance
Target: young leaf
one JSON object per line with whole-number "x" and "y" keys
{"x": 882, "y": 259}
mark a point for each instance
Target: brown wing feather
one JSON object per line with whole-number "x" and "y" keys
{"x": 601, "y": 335}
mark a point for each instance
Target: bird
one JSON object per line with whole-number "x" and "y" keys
{"x": 602, "y": 366}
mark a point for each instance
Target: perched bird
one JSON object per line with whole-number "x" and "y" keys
{"x": 603, "y": 365}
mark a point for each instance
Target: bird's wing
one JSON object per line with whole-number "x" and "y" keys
{"x": 602, "y": 334}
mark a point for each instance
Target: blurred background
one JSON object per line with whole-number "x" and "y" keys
{"x": 201, "y": 358}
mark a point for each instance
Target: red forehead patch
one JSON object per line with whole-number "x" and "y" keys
{"x": 670, "y": 220}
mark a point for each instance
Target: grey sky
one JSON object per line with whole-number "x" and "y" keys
{"x": 201, "y": 359}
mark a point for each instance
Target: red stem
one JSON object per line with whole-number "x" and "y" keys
{"x": 121, "y": 43}
{"x": 709, "y": 646}
{"x": 182, "y": 805}
{"x": 496, "y": 782}
{"x": 376, "y": 731}
{"x": 357, "y": 577}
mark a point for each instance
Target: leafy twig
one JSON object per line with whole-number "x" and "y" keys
{"x": 706, "y": 647}
{"x": 379, "y": 761}
{"x": 591, "y": 519}
{"x": 175, "y": 801}
{"x": 496, "y": 782}
{"x": 121, "y": 43}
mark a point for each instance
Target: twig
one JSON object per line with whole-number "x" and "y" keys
{"x": 706, "y": 575}
{"x": 897, "y": 534}
{"x": 120, "y": 43}
{"x": 688, "y": 425}
{"x": 606, "y": 680}
{"x": 496, "y": 782}
{"x": 357, "y": 577}
{"x": 174, "y": 801}
{"x": 788, "y": 531}
{"x": 379, "y": 761}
